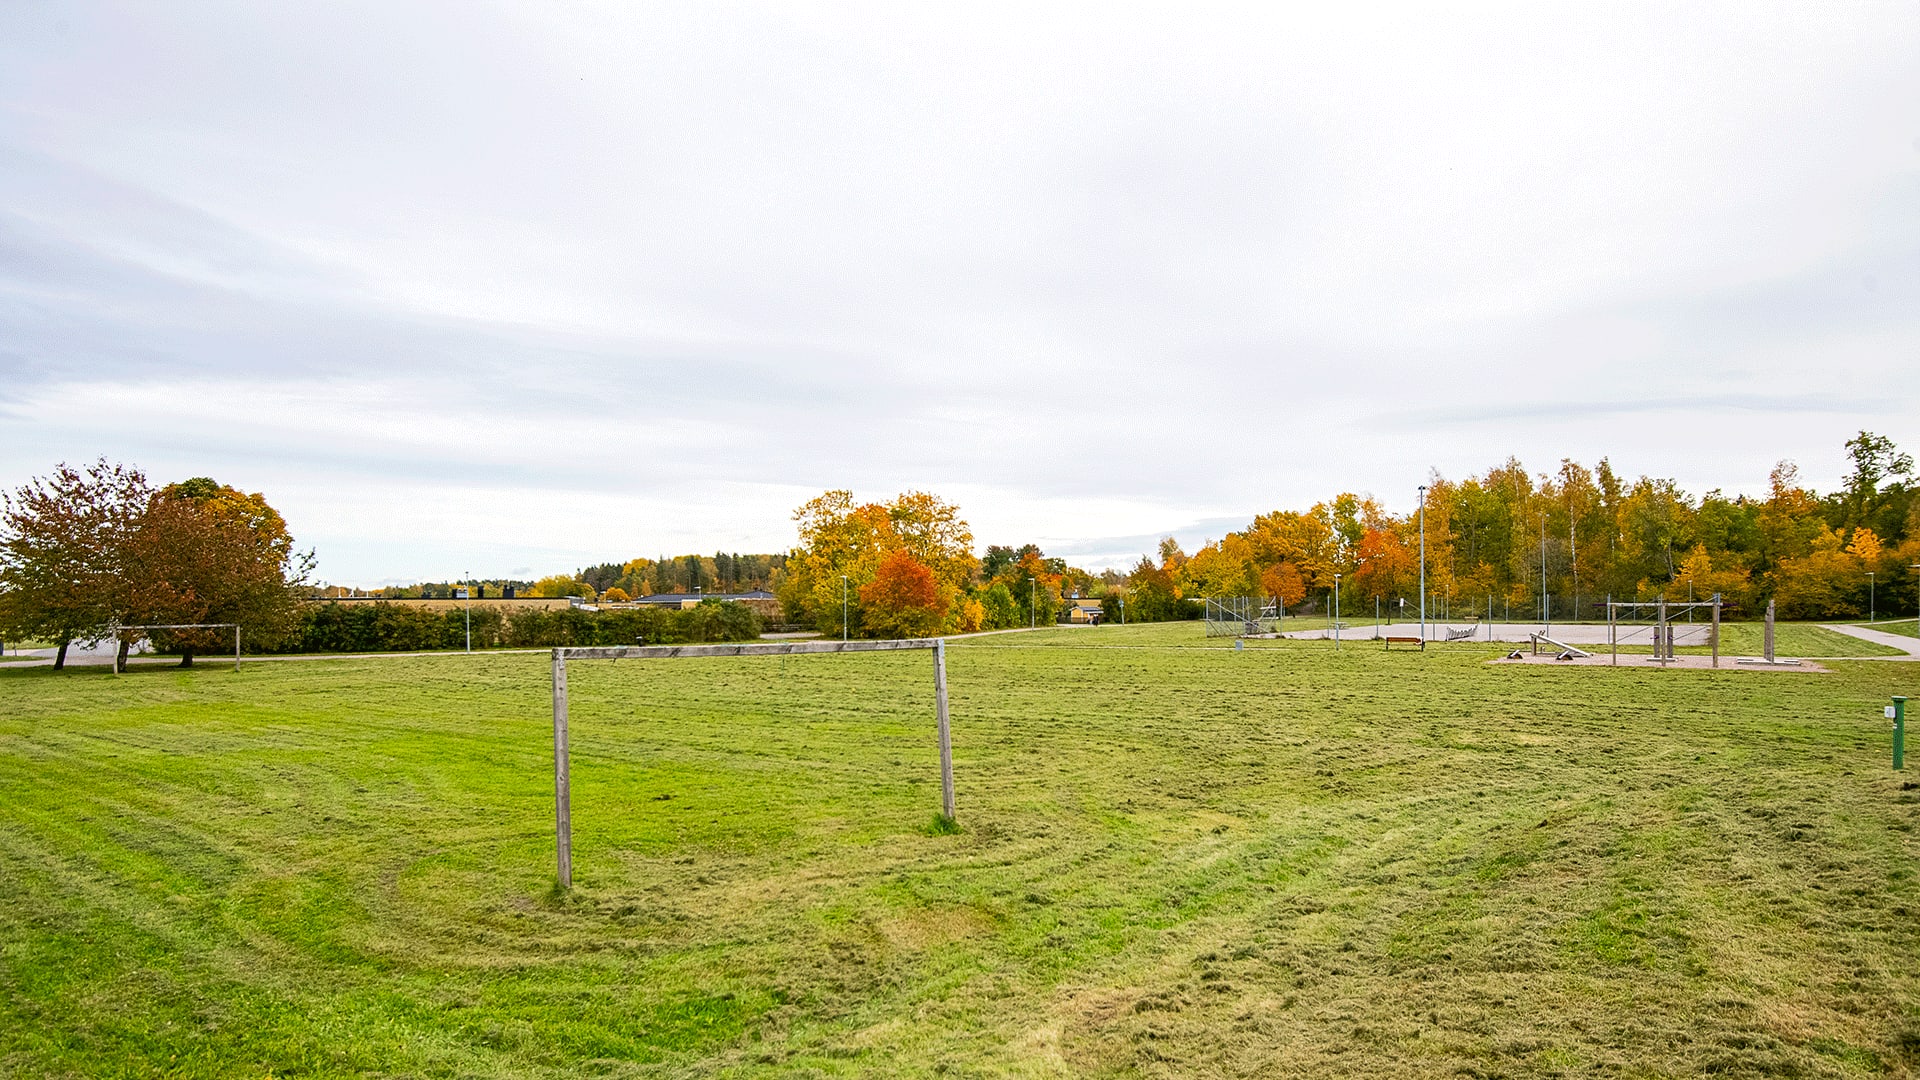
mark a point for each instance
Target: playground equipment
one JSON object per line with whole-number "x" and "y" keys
{"x": 1561, "y": 650}
{"x": 1238, "y": 616}
{"x": 1628, "y": 620}
{"x": 1766, "y": 646}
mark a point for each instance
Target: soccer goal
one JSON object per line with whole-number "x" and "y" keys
{"x": 119, "y": 664}
{"x": 562, "y": 771}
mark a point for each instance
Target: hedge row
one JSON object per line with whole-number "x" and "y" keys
{"x": 325, "y": 627}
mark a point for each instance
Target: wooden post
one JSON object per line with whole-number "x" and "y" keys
{"x": 1660, "y": 631}
{"x": 1768, "y": 636}
{"x": 946, "y": 736}
{"x": 562, "y": 794}
{"x": 236, "y": 648}
{"x": 1716, "y": 630}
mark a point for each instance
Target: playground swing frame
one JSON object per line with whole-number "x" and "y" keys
{"x": 1662, "y": 625}
{"x": 562, "y": 769}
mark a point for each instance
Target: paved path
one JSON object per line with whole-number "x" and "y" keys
{"x": 1908, "y": 645}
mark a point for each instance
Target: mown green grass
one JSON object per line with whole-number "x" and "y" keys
{"x": 1908, "y": 627}
{"x": 1174, "y": 859}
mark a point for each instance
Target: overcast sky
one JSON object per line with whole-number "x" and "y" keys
{"x": 513, "y": 288}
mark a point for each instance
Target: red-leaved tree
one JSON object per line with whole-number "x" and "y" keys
{"x": 903, "y": 600}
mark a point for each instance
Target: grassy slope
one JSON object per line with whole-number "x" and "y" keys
{"x": 1908, "y": 627}
{"x": 1176, "y": 859}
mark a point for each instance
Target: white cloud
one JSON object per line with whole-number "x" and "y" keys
{"x": 617, "y": 279}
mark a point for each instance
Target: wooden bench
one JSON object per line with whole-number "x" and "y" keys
{"x": 1391, "y": 639}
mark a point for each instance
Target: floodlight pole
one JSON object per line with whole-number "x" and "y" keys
{"x": 1423, "y": 565}
{"x": 1916, "y": 583}
{"x": 1869, "y": 596}
{"x": 1336, "y": 612}
{"x": 843, "y": 607}
{"x": 1546, "y": 611}
{"x": 468, "y": 589}
{"x": 1033, "y": 607}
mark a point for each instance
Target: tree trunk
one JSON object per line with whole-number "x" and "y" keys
{"x": 120, "y": 657}
{"x": 60, "y": 658}
{"x": 186, "y": 658}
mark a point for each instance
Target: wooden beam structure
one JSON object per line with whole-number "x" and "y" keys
{"x": 562, "y": 769}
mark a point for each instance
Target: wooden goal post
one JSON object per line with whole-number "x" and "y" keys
{"x": 562, "y": 787}
{"x": 235, "y": 627}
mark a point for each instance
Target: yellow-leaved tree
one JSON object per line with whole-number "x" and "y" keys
{"x": 843, "y": 542}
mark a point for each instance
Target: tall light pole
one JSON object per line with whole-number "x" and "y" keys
{"x": 1573, "y": 564}
{"x": 1546, "y": 613}
{"x": 843, "y": 607}
{"x": 1423, "y": 563}
{"x": 1916, "y": 588}
{"x": 1869, "y": 596}
{"x": 469, "y": 591}
{"x": 1336, "y": 612}
{"x": 1033, "y": 607}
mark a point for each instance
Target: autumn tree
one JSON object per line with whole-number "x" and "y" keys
{"x": 63, "y": 542}
{"x": 556, "y": 586}
{"x": 1282, "y": 582}
{"x": 207, "y": 553}
{"x": 1386, "y": 566}
{"x": 1824, "y": 583}
{"x": 1153, "y": 594}
{"x": 904, "y": 599}
{"x": 843, "y": 543}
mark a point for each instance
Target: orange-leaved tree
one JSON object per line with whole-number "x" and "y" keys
{"x": 903, "y": 600}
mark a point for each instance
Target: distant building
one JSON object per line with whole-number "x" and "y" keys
{"x": 687, "y": 600}
{"x": 1080, "y": 610}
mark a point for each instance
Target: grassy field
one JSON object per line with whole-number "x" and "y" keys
{"x": 1174, "y": 860}
{"x": 1908, "y": 627}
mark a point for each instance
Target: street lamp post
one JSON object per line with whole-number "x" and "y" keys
{"x": 1916, "y": 588}
{"x": 1336, "y": 612}
{"x": 1423, "y": 563}
{"x": 1869, "y": 596}
{"x": 1033, "y": 607}
{"x": 1546, "y": 613}
{"x": 469, "y": 591}
{"x": 843, "y": 607}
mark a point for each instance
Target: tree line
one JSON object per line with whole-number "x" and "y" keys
{"x": 96, "y": 554}
{"x": 387, "y": 627}
{"x": 1561, "y": 543}
{"x": 1557, "y": 544}
{"x": 906, "y": 568}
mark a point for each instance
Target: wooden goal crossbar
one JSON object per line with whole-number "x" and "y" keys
{"x": 562, "y": 781}
{"x": 234, "y": 626}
